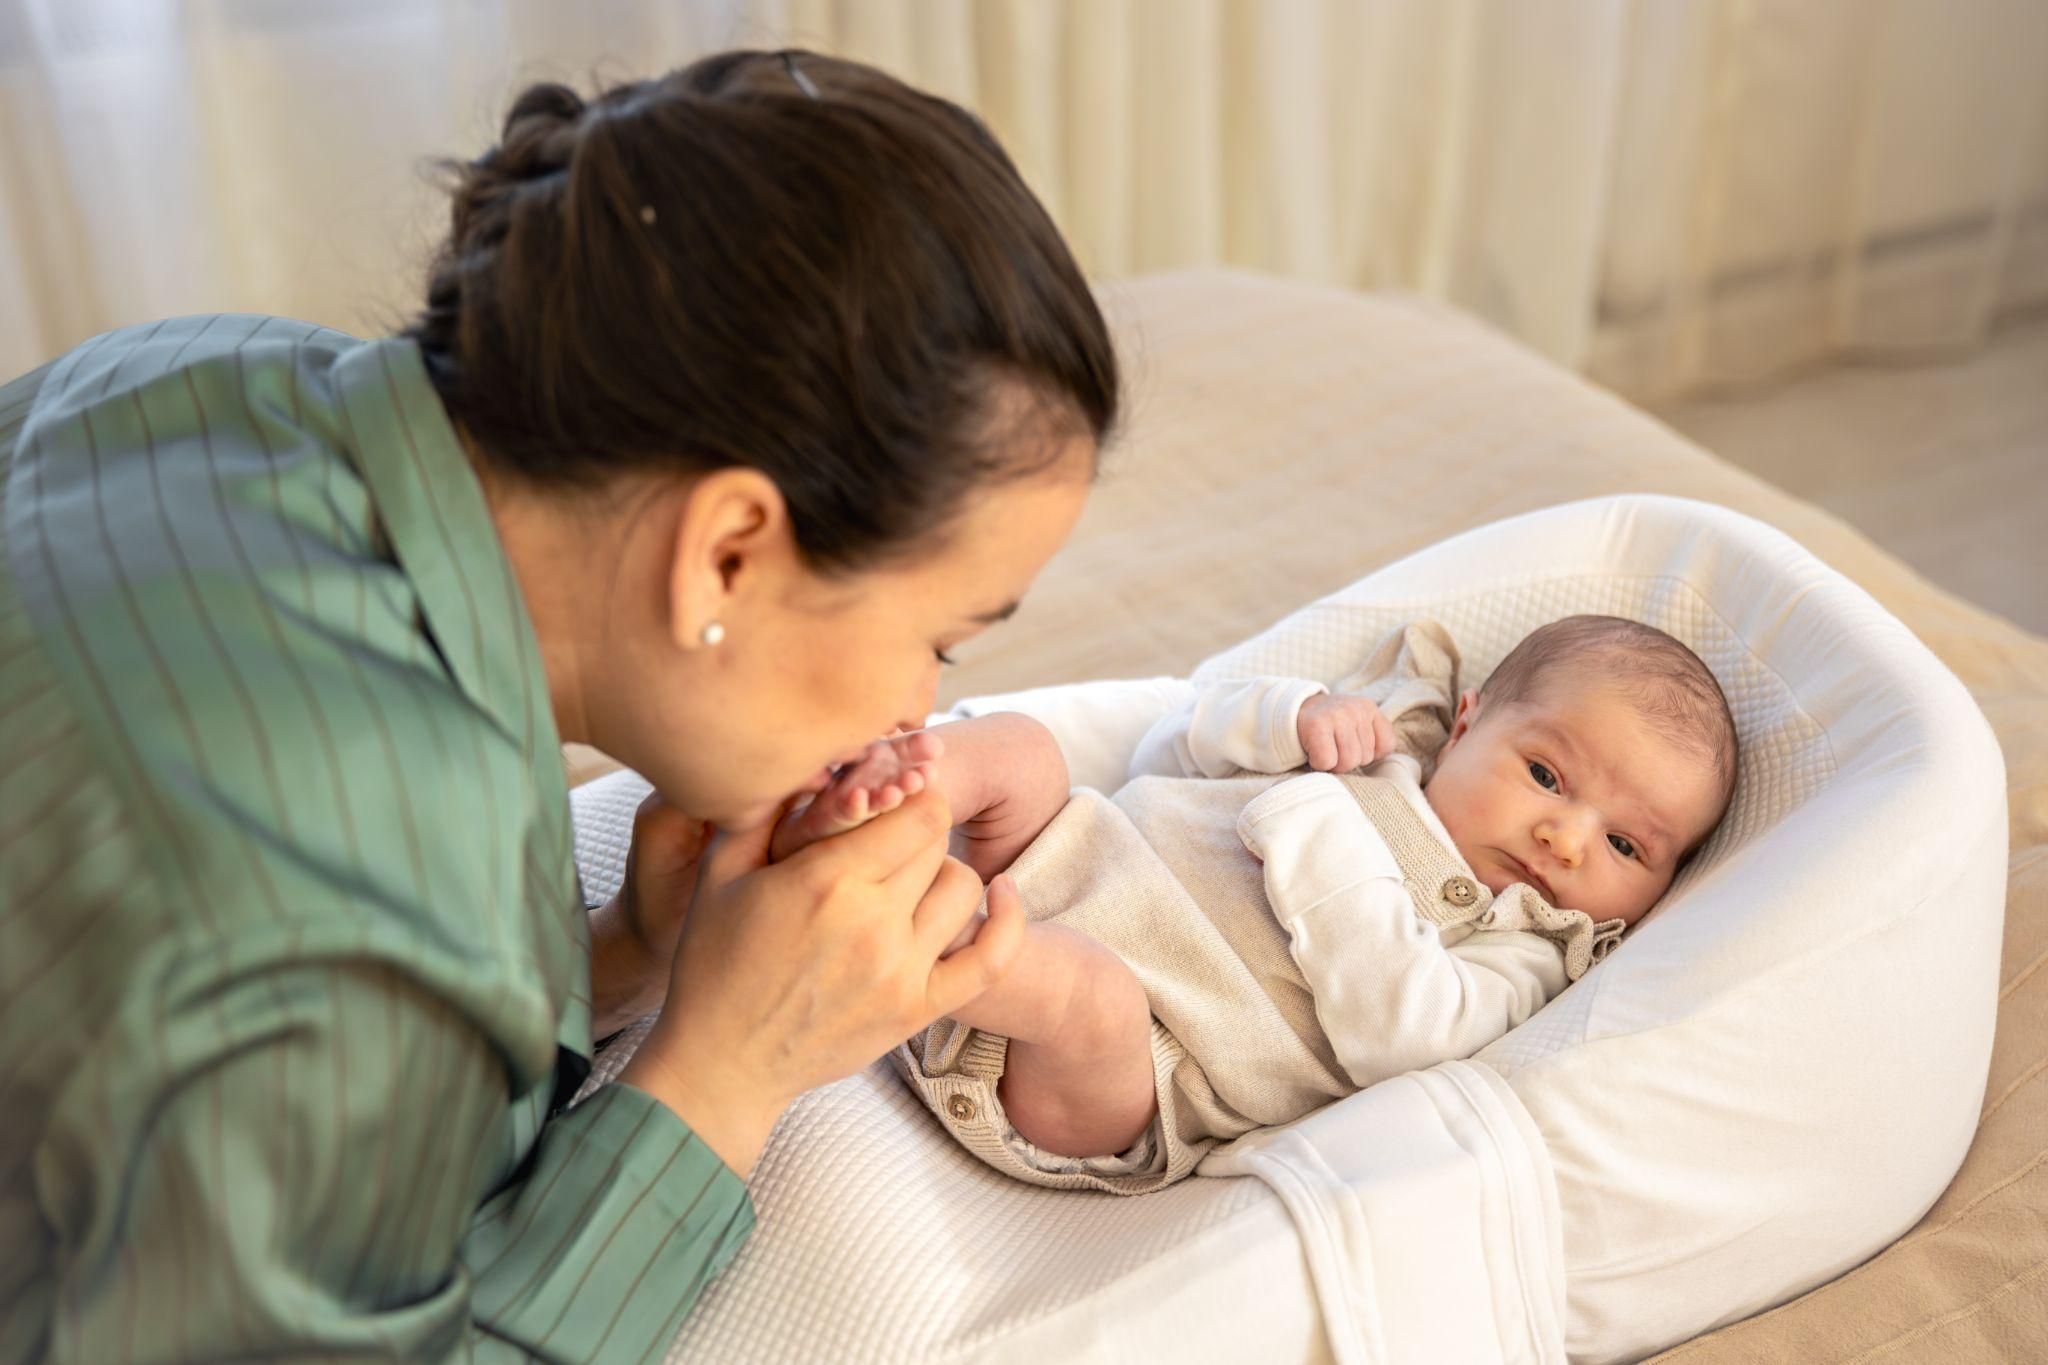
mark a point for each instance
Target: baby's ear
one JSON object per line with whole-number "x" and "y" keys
{"x": 1468, "y": 712}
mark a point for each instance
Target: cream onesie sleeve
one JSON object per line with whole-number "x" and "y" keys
{"x": 1254, "y": 724}
{"x": 1230, "y": 728}
{"x": 1393, "y": 992}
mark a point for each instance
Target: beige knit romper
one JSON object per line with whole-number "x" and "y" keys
{"x": 1158, "y": 873}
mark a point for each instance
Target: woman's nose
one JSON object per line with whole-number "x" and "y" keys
{"x": 922, "y": 705}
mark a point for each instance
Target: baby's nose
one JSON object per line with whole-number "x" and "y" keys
{"x": 1565, "y": 840}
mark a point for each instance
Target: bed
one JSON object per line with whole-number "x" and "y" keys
{"x": 1268, "y": 425}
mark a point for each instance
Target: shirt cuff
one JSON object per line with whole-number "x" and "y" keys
{"x": 622, "y": 1217}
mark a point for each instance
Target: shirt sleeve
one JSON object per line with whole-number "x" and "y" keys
{"x": 310, "y": 1181}
{"x": 1389, "y": 994}
{"x": 1228, "y": 729}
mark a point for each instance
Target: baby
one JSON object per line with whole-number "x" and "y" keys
{"x": 1212, "y": 955}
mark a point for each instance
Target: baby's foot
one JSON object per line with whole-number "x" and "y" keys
{"x": 892, "y": 770}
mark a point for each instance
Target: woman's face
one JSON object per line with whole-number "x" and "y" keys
{"x": 810, "y": 670}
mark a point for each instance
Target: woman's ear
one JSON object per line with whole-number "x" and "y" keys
{"x": 1468, "y": 712}
{"x": 732, "y": 538}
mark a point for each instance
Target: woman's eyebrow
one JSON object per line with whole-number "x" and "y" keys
{"x": 1004, "y": 613}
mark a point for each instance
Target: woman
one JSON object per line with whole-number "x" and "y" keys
{"x": 739, "y": 398}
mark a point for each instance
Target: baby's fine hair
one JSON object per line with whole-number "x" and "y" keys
{"x": 1667, "y": 683}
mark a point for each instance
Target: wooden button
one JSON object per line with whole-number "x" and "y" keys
{"x": 1460, "y": 891}
{"x": 961, "y": 1108}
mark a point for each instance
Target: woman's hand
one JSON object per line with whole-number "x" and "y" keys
{"x": 633, "y": 935}
{"x": 791, "y": 975}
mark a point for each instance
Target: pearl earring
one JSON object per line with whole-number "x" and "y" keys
{"x": 713, "y": 633}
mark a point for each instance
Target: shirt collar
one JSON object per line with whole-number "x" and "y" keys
{"x": 432, "y": 507}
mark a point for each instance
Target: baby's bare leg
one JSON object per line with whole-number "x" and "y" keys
{"x": 1004, "y": 778}
{"x": 1078, "y": 1080}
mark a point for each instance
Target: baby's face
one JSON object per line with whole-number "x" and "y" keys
{"x": 1571, "y": 791}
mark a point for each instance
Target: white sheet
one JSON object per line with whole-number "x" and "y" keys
{"x": 1427, "y": 1215}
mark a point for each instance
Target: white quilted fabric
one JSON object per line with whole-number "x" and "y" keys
{"x": 1772, "y": 1078}
{"x": 878, "y": 1239}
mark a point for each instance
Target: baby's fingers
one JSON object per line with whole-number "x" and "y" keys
{"x": 1382, "y": 735}
{"x": 1352, "y": 746}
{"x": 1320, "y": 745}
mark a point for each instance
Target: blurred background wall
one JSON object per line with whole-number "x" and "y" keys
{"x": 1666, "y": 194}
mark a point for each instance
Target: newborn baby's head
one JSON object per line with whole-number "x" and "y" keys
{"x": 1597, "y": 757}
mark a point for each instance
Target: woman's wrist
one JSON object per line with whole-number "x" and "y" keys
{"x": 627, "y": 983}
{"x": 728, "y": 1113}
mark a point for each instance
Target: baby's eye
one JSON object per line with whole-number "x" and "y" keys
{"x": 943, "y": 657}
{"x": 1622, "y": 845}
{"x": 1545, "y": 778}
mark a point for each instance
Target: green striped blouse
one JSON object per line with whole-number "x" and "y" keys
{"x": 294, "y": 971}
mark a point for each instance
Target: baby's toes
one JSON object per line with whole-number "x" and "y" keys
{"x": 872, "y": 768}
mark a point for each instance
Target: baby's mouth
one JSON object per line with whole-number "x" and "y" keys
{"x": 1527, "y": 874}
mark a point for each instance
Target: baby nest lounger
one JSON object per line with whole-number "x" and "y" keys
{"x": 1774, "y": 1076}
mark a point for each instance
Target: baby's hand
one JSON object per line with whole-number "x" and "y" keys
{"x": 1341, "y": 733}
{"x": 892, "y": 770}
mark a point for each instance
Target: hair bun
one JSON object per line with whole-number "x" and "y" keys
{"x": 538, "y": 141}
{"x": 548, "y": 100}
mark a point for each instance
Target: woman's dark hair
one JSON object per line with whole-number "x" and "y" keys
{"x": 778, "y": 260}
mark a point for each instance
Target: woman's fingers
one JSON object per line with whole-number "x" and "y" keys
{"x": 908, "y": 884}
{"x": 888, "y": 845}
{"x": 972, "y": 969}
{"x": 948, "y": 903}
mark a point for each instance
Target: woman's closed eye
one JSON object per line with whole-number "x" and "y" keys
{"x": 944, "y": 658}
{"x": 1545, "y": 778}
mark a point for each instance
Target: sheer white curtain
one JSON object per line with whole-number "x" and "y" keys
{"x": 1665, "y": 193}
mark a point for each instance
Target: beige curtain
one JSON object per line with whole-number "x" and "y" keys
{"x": 1667, "y": 194}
